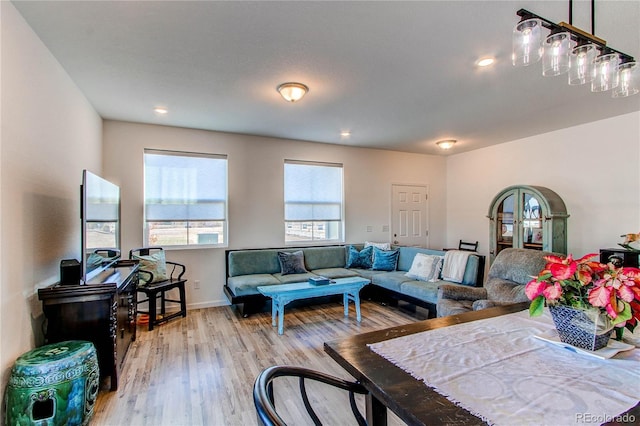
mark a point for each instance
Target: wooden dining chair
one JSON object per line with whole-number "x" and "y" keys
{"x": 467, "y": 246}
{"x": 263, "y": 397}
{"x": 154, "y": 289}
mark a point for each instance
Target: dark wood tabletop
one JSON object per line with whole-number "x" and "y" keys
{"x": 391, "y": 387}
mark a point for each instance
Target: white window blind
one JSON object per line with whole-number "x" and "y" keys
{"x": 181, "y": 186}
{"x": 189, "y": 189}
{"x": 312, "y": 191}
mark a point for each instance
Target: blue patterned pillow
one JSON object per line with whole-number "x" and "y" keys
{"x": 292, "y": 262}
{"x": 360, "y": 259}
{"x": 384, "y": 260}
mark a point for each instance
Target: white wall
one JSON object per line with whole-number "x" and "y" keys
{"x": 49, "y": 134}
{"x": 256, "y": 207}
{"x": 594, "y": 167}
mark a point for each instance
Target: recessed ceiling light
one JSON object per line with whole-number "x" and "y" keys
{"x": 161, "y": 110}
{"x": 345, "y": 133}
{"x": 485, "y": 62}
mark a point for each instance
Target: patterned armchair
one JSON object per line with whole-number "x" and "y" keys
{"x": 510, "y": 271}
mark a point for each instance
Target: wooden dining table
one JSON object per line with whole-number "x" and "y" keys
{"x": 392, "y": 388}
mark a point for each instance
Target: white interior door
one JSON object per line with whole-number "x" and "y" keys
{"x": 409, "y": 207}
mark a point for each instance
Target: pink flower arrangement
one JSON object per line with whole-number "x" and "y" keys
{"x": 584, "y": 284}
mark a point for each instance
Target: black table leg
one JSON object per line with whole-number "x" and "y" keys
{"x": 376, "y": 411}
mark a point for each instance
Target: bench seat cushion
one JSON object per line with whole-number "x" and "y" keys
{"x": 293, "y": 278}
{"x": 335, "y": 272}
{"x": 390, "y": 280}
{"x": 366, "y": 273}
{"x": 243, "y": 285}
{"x": 424, "y": 290}
{"x": 324, "y": 257}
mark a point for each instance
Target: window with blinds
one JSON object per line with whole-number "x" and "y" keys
{"x": 313, "y": 201}
{"x": 185, "y": 198}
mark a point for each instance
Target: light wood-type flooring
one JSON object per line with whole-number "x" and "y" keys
{"x": 200, "y": 370}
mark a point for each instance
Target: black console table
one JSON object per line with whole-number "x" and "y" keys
{"x": 630, "y": 258}
{"x": 103, "y": 311}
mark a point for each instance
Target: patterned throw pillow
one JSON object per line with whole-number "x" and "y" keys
{"x": 360, "y": 259}
{"x": 292, "y": 262}
{"x": 154, "y": 263}
{"x": 381, "y": 246}
{"x": 425, "y": 267}
{"x": 384, "y": 260}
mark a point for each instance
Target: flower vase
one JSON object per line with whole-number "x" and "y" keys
{"x": 581, "y": 328}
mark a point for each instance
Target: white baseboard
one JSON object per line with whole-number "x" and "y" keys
{"x": 209, "y": 304}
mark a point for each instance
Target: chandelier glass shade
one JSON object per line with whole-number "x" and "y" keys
{"x": 527, "y": 39}
{"x": 628, "y": 80}
{"x": 564, "y": 48}
{"x": 581, "y": 67}
{"x": 556, "y": 53}
{"x": 606, "y": 73}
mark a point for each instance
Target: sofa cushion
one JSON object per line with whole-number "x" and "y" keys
{"x": 335, "y": 272}
{"x": 390, "y": 280}
{"x": 243, "y": 285}
{"x": 427, "y": 291}
{"x": 367, "y": 273}
{"x": 425, "y": 267}
{"x": 324, "y": 257}
{"x": 359, "y": 259}
{"x": 407, "y": 254}
{"x": 292, "y": 262}
{"x": 293, "y": 278}
{"x": 384, "y": 260}
{"x": 247, "y": 262}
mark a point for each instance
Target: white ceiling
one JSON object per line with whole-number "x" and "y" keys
{"x": 398, "y": 75}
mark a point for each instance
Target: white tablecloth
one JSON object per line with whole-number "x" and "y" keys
{"x": 498, "y": 370}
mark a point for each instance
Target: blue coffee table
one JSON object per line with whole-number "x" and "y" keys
{"x": 282, "y": 294}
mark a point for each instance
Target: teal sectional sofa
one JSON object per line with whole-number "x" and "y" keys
{"x": 249, "y": 268}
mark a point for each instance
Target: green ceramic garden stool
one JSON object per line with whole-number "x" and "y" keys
{"x": 54, "y": 384}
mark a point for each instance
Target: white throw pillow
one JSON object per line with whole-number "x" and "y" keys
{"x": 425, "y": 267}
{"x": 381, "y": 246}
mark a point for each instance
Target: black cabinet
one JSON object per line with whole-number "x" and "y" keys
{"x": 103, "y": 311}
{"x": 629, "y": 257}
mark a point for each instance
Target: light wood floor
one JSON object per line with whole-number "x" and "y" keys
{"x": 200, "y": 370}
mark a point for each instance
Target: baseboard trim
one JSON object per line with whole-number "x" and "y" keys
{"x": 209, "y": 304}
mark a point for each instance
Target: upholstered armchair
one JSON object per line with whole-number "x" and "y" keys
{"x": 511, "y": 270}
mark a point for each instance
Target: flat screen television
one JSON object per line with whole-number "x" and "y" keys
{"x": 100, "y": 217}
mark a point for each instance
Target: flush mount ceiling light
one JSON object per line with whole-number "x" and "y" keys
{"x": 345, "y": 133}
{"x": 568, "y": 49}
{"x": 161, "y": 110}
{"x": 292, "y": 92}
{"x": 446, "y": 144}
